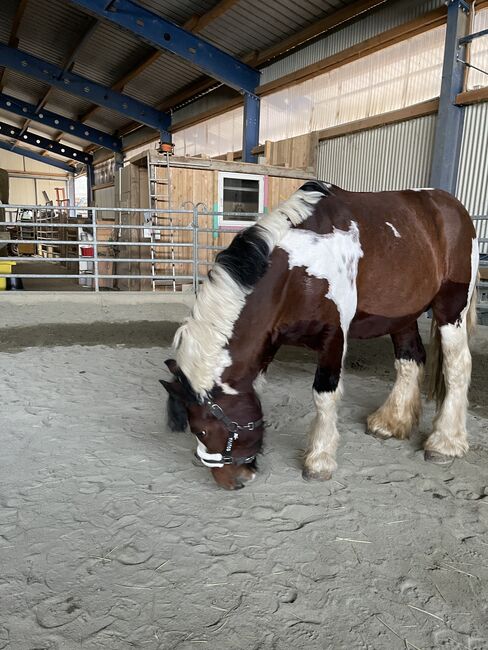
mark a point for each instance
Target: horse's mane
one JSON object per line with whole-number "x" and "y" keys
{"x": 201, "y": 342}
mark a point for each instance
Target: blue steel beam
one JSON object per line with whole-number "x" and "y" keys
{"x": 165, "y": 35}
{"x": 450, "y": 118}
{"x": 42, "y": 116}
{"x": 250, "y": 131}
{"x": 75, "y": 84}
{"x": 14, "y": 132}
{"x": 36, "y": 156}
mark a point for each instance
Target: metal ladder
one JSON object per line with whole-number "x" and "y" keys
{"x": 160, "y": 193}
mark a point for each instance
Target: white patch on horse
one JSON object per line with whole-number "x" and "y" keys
{"x": 422, "y": 189}
{"x": 201, "y": 342}
{"x": 333, "y": 257}
{"x": 323, "y": 438}
{"x": 395, "y": 231}
{"x": 228, "y": 390}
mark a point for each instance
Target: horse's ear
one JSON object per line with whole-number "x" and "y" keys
{"x": 172, "y": 366}
{"x": 174, "y": 388}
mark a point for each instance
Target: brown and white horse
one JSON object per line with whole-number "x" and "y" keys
{"x": 328, "y": 265}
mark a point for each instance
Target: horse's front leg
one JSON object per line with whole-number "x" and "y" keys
{"x": 323, "y": 437}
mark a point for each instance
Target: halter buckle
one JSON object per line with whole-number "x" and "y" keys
{"x": 216, "y": 410}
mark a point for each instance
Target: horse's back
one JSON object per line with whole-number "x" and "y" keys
{"x": 412, "y": 242}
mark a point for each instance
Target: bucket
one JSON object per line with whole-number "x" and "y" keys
{"x": 5, "y": 267}
{"x": 87, "y": 251}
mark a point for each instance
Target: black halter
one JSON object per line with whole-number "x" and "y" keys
{"x": 233, "y": 428}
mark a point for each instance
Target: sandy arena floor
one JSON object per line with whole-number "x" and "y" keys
{"x": 110, "y": 538}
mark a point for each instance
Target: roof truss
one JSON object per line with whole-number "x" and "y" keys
{"x": 35, "y": 140}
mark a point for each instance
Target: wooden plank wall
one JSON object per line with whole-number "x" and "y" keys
{"x": 296, "y": 153}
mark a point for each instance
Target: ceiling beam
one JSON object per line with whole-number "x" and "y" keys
{"x": 55, "y": 121}
{"x": 162, "y": 34}
{"x": 35, "y": 140}
{"x": 82, "y": 87}
{"x": 36, "y": 156}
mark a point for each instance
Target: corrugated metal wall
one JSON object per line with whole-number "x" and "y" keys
{"x": 472, "y": 185}
{"x": 374, "y": 23}
{"x": 396, "y": 156}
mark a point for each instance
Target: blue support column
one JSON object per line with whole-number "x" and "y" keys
{"x": 165, "y": 35}
{"x": 35, "y": 140}
{"x": 90, "y": 182}
{"x": 450, "y": 118}
{"x": 42, "y": 116}
{"x": 36, "y": 156}
{"x": 250, "y": 131}
{"x": 79, "y": 86}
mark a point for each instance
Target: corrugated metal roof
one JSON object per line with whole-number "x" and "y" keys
{"x": 50, "y": 29}
{"x": 178, "y": 11}
{"x": 67, "y": 104}
{"x": 25, "y": 88}
{"x": 109, "y": 54}
{"x": 107, "y": 120}
{"x": 7, "y": 12}
{"x": 255, "y": 25}
{"x": 161, "y": 79}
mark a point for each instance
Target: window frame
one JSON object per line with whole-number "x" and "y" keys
{"x": 234, "y": 223}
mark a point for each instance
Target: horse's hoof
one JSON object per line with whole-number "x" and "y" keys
{"x": 437, "y": 458}
{"x": 309, "y": 475}
{"x": 380, "y": 435}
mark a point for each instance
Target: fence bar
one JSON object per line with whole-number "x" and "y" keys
{"x": 86, "y": 275}
{"x": 105, "y": 243}
{"x": 101, "y": 259}
{"x": 95, "y": 251}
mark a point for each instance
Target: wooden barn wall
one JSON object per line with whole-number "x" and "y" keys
{"x": 188, "y": 187}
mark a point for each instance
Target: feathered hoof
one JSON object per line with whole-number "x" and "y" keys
{"x": 437, "y": 458}
{"x": 377, "y": 433}
{"x": 309, "y": 475}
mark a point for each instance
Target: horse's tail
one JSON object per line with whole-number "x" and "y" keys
{"x": 436, "y": 387}
{"x": 472, "y": 315}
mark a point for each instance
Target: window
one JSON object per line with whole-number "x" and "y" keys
{"x": 240, "y": 193}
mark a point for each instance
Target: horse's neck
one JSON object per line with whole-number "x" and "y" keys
{"x": 252, "y": 345}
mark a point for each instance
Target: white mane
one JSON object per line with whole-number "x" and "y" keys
{"x": 201, "y": 342}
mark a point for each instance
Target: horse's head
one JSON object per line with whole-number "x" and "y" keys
{"x": 229, "y": 428}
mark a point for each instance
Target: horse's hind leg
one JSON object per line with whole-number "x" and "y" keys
{"x": 323, "y": 437}
{"x": 449, "y": 437}
{"x": 401, "y": 411}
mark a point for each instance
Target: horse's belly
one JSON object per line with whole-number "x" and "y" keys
{"x": 367, "y": 326}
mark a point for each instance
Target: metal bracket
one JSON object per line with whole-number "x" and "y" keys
{"x": 462, "y": 4}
